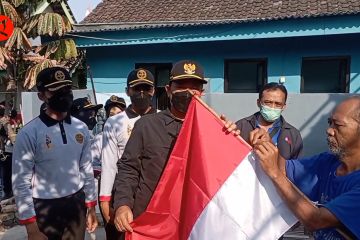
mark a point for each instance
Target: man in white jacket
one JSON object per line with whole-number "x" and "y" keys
{"x": 117, "y": 130}
{"x": 52, "y": 176}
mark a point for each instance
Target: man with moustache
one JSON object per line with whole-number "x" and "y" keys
{"x": 272, "y": 102}
{"x": 323, "y": 191}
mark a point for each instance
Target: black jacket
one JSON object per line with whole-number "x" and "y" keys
{"x": 290, "y": 143}
{"x": 145, "y": 156}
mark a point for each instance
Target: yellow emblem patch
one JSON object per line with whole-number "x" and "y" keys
{"x": 59, "y": 75}
{"x": 113, "y": 98}
{"x": 79, "y": 138}
{"x": 141, "y": 74}
{"x": 189, "y": 68}
{"x": 129, "y": 130}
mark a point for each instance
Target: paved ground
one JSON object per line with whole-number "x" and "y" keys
{"x": 19, "y": 233}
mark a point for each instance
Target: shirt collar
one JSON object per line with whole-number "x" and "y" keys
{"x": 169, "y": 117}
{"x": 132, "y": 114}
{"x": 48, "y": 121}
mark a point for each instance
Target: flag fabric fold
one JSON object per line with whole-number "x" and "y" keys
{"x": 212, "y": 188}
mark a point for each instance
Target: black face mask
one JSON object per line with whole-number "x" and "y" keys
{"x": 61, "y": 101}
{"x": 86, "y": 116}
{"x": 141, "y": 101}
{"x": 181, "y": 100}
{"x": 91, "y": 123}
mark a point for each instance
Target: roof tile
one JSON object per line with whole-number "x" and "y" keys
{"x": 155, "y": 11}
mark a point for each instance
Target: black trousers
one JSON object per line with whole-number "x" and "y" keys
{"x": 6, "y": 171}
{"x": 62, "y": 218}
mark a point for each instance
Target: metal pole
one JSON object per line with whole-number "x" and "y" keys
{"x": 92, "y": 82}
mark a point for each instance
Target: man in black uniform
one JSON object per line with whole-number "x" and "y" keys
{"x": 150, "y": 144}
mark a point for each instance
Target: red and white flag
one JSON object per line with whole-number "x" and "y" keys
{"x": 212, "y": 188}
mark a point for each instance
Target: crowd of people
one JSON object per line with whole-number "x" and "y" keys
{"x": 56, "y": 159}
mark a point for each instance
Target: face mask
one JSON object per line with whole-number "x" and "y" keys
{"x": 180, "y": 100}
{"x": 61, "y": 102}
{"x": 270, "y": 114}
{"x": 86, "y": 116}
{"x": 141, "y": 101}
{"x": 91, "y": 123}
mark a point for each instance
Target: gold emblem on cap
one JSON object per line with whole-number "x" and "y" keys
{"x": 79, "y": 138}
{"x": 141, "y": 74}
{"x": 59, "y": 76}
{"x": 113, "y": 98}
{"x": 189, "y": 68}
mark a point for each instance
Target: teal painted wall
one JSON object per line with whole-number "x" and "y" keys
{"x": 110, "y": 65}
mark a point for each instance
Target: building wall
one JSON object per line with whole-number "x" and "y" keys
{"x": 110, "y": 65}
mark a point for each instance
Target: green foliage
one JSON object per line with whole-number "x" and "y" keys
{"x": 22, "y": 60}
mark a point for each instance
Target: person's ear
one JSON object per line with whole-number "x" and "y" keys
{"x": 258, "y": 103}
{"x": 127, "y": 91}
{"x": 168, "y": 90}
{"x": 152, "y": 91}
{"x": 41, "y": 96}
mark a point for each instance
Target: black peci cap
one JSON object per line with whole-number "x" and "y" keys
{"x": 140, "y": 76}
{"x": 187, "y": 69}
{"x": 53, "y": 79}
{"x": 115, "y": 101}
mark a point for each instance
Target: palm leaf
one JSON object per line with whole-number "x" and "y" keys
{"x": 5, "y": 57}
{"x": 65, "y": 50}
{"x": 52, "y": 48}
{"x": 48, "y": 24}
{"x": 68, "y": 26}
{"x": 8, "y": 10}
{"x": 18, "y": 2}
{"x": 32, "y": 72}
{"x": 18, "y": 40}
{"x": 31, "y": 24}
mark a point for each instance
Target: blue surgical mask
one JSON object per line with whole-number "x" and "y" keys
{"x": 270, "y": 114}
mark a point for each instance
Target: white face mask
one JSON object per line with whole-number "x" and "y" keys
{"x": 270, "y": 114}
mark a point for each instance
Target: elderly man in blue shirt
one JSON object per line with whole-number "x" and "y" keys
{"x": 323, "y": 191}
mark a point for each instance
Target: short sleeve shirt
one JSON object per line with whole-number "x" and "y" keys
{"x": 316, "y": 178}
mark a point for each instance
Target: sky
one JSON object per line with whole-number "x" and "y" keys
{"x": 78, "y": 7}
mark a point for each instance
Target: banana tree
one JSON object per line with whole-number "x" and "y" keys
{"x": 20, "y": 57}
